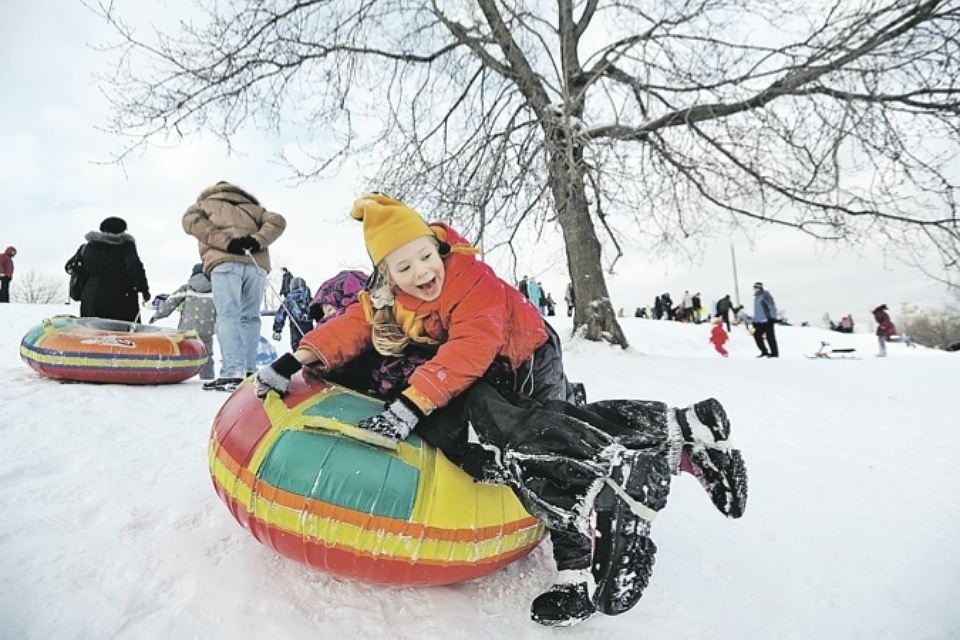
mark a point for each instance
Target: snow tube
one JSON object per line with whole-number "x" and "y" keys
{"x": 292, "y": 473}
{"x": 102, "y": 350}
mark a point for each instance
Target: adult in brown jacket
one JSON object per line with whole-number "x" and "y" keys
{"x": 234, "y": 231}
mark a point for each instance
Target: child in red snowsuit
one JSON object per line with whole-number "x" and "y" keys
{"x": 719, "y": 337}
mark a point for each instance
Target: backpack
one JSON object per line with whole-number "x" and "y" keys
{"x": 78, "y": 274}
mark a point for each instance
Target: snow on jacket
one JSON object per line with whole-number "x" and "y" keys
{"x": 296, "y": 304}
{"x": 885, "y": 326}
{"x": 224, "y": 212}
{"x": 6, "y": 262}
{"x": 476, "y": 319}
{"x": 197, "y": 312}
{"x": 115, "y": 275}
{"x": 764, "y": 309}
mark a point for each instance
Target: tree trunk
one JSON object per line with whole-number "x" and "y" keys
{"x": 593, "y": 308}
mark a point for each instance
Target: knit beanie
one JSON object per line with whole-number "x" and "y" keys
{"x": 387, "y": 224}
{"x": 197, "y": 268}
{"x": 113, "y": 225}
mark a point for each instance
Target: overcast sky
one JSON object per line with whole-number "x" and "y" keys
{"x": 55, "y": 188}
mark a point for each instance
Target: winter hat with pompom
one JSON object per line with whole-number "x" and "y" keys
{"x": 387, "y": 224}
{"x": 113, "y": 225}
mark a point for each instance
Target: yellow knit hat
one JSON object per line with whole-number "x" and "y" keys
{"x": 387, "y": 224}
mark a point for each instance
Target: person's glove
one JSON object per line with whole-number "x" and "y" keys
{"x": 276, "y": 375}
{"x": 238, "y": 246}
{"x": 146, "y": 296}
{"x": 276, "y": 336}
{"x": 396, "y": 421}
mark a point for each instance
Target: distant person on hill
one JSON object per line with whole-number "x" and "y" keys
{"x": 719, "y": 337}
{"x": 846, "y": 323}
{"x": 285, "y": 279}
{"x": 197, "y": 313}
{"x": 534, "y": 293}
{"x": 667, "y": 303}
{"x": 695, "y": 300}
{"x": 551, "y": 305}
{"x": 724, "y": 309}
{"x": 6, "y": 272}
{"x": 657, "y": 308}
{"x": 569, "y": 299}
{"x": 887, "y": 331}
{"x": 523, "y": 287}
{"x": 543, "y": 299}
{"x": 764, "y": 319}
{"x": 115, "y": 275}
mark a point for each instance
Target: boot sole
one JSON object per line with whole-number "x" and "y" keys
{"x": 625, "y": 564}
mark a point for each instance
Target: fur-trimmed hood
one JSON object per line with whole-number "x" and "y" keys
{"x": 109, "y": 238}
{"x": 228, "y": 192}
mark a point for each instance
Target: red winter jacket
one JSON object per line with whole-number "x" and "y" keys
{"x": 477, "y": 317}
{"x": 6, "y": 263}
{"x": 718, "y": 335}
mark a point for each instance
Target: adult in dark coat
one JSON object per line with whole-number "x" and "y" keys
{"x": 6, "y": 272}
{"x": 115, "y": 273}
{"x": 724, "y": 307}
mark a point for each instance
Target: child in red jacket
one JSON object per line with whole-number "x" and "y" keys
{"x": 719, "y": 337}
{"x": 494, "y": 398}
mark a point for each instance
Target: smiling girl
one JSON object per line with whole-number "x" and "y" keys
{"x": 494, "y": 398}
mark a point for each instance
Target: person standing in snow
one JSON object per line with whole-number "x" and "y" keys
{"x": 886, "y": 330}
{"x": 285, "y": 279}
{"x": 197, "y": 313}
{"x": 234, "y": 232}
{"x": 296, "y": 307}
{"x": 494, "y": 398}
{"x": 534, "y": 293}
{"x": 6, "y": 272}
{"x": 570, "y": 300}
{"x": 724, "y": 307}
{"x": 115, "y": 274}
{"x": 764, "y": 318}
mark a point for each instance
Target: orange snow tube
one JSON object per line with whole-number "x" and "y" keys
{"x": 101, "y": 350}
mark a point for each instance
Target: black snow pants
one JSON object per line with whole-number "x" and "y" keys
{"x": 519, "y": 430}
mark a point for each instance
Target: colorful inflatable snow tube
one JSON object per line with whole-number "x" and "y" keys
{"x": 101, "y": 350}
{"x": 293, "y": 473}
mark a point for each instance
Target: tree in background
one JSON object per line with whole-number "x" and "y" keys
{"x": 932, "y": 328}
{"x": 38, "y": 288}
{"x": 639, "y": 123}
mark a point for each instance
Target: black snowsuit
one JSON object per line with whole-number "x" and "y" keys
{"x": 517, "y": 428}
{"x": 115, "y": 276}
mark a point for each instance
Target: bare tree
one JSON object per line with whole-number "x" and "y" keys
{"x": 630, "y": 124}
{"x": 39, "y": 288}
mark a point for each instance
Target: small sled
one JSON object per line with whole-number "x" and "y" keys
{"x": 834, "y": 354}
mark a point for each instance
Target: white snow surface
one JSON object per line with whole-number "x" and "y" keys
{"x": 111, "y": 527}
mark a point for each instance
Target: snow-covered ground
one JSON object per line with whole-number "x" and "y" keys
{"x": 111, "y": 528}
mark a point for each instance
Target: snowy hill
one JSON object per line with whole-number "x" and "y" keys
{"x": 111, "y": 528}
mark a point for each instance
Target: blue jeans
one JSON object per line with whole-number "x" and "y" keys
{"x": 237, "y": 292}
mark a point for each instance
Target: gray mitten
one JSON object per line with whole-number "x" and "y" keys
{"x": 276, "y": 375}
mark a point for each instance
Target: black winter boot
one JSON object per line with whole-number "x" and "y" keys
{"x": 624, "y": 553}
{"x": 706, "y": 454}
{"x": 564, "y": 604}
